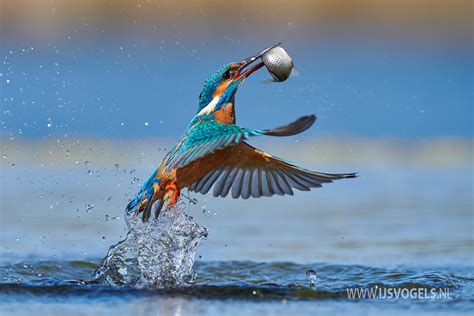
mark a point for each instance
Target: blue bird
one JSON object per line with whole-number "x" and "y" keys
{"x": 213, "y": 152}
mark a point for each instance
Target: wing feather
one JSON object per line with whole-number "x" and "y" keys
{"x": 256, "y": 183}
{"x": 294, "y": 183}
{"x": 237, "y": 185}
{"x": 270, "y": 182}
{"x": 220, "y": 183}
{"x": 267, "y": 190}
{"x": 228, "y": 183}
{"x": 275, "y": 184}
{"x": 286, "y": 187}
{"x": 203, "y": 181}
{"x": 206, "y": 187}
{"x": 247, "y": 184}
{"x": 249, "y": 172}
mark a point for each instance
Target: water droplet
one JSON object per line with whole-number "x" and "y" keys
{"x": 87, "y": 162}
{"x": 90, "y": 172}
{"x": 135, "y": 180}
{"x": 4, "y": 156}
{"x": 311, "y": 275}
{"x": 310, "y": 272}
{"x": 146, "y": 123}
{"x": 116, "y": 166}
{"x": 103, "y": 238}
{"x": 254, "y": 292}
{"x": 89, "y": 207}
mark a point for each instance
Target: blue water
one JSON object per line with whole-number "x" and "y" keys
{"x": 135, "y": 87}
{"x": 394, "y": 228}
{"x": 233, "y": 286}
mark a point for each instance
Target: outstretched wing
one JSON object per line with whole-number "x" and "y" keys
{"x": 207, "y": 136}
{"x": 251, "y": 172}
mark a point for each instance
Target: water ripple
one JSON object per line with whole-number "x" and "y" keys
{"x": 245, "y": 280}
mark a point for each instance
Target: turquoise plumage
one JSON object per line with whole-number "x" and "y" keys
{"x": 203, "y": 137}
{"x": 210, "y": 86}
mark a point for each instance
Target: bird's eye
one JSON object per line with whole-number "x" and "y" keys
{"x": 226, "y": 75}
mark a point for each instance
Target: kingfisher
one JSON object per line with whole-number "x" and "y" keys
{"x": 213, "y": 152}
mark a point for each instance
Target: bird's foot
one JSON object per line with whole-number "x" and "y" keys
{"x": 172, "y": 193}
{"x": 141, "y": 207}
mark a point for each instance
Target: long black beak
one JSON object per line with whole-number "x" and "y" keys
{"x": 242, "y": 73}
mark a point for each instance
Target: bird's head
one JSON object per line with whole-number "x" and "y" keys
{"x": 218, "y": 93}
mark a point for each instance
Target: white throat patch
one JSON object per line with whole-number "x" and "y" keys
{"x": 210, "y": 107}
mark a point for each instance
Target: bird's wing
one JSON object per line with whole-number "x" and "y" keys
{"x": 208, "y": 136}
{"x": 248, "y": 171}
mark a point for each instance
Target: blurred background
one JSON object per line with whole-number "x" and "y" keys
{"x": 94, "y": 92}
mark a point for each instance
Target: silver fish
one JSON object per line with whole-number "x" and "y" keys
{"x": 278, "y": 63}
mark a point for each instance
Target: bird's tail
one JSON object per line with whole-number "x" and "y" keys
{"x": 296, "y": 127}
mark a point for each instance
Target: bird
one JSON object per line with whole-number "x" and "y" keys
{"x": 213, "y": 152}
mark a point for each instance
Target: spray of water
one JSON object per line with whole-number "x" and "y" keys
{"x": 157, "y": 253}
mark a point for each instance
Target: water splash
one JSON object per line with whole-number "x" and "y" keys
{"x": 311, "y": 275}
{"x": 158, "y": 253}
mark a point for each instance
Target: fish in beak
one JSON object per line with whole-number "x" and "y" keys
{"x": 246, "y": 69}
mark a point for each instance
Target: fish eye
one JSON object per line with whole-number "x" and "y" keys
{"x": 226, "y": 75}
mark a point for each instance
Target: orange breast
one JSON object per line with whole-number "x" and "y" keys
{"x": 226, "y": 114}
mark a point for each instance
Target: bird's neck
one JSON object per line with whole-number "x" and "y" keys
{"x": 226, "y": 114}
